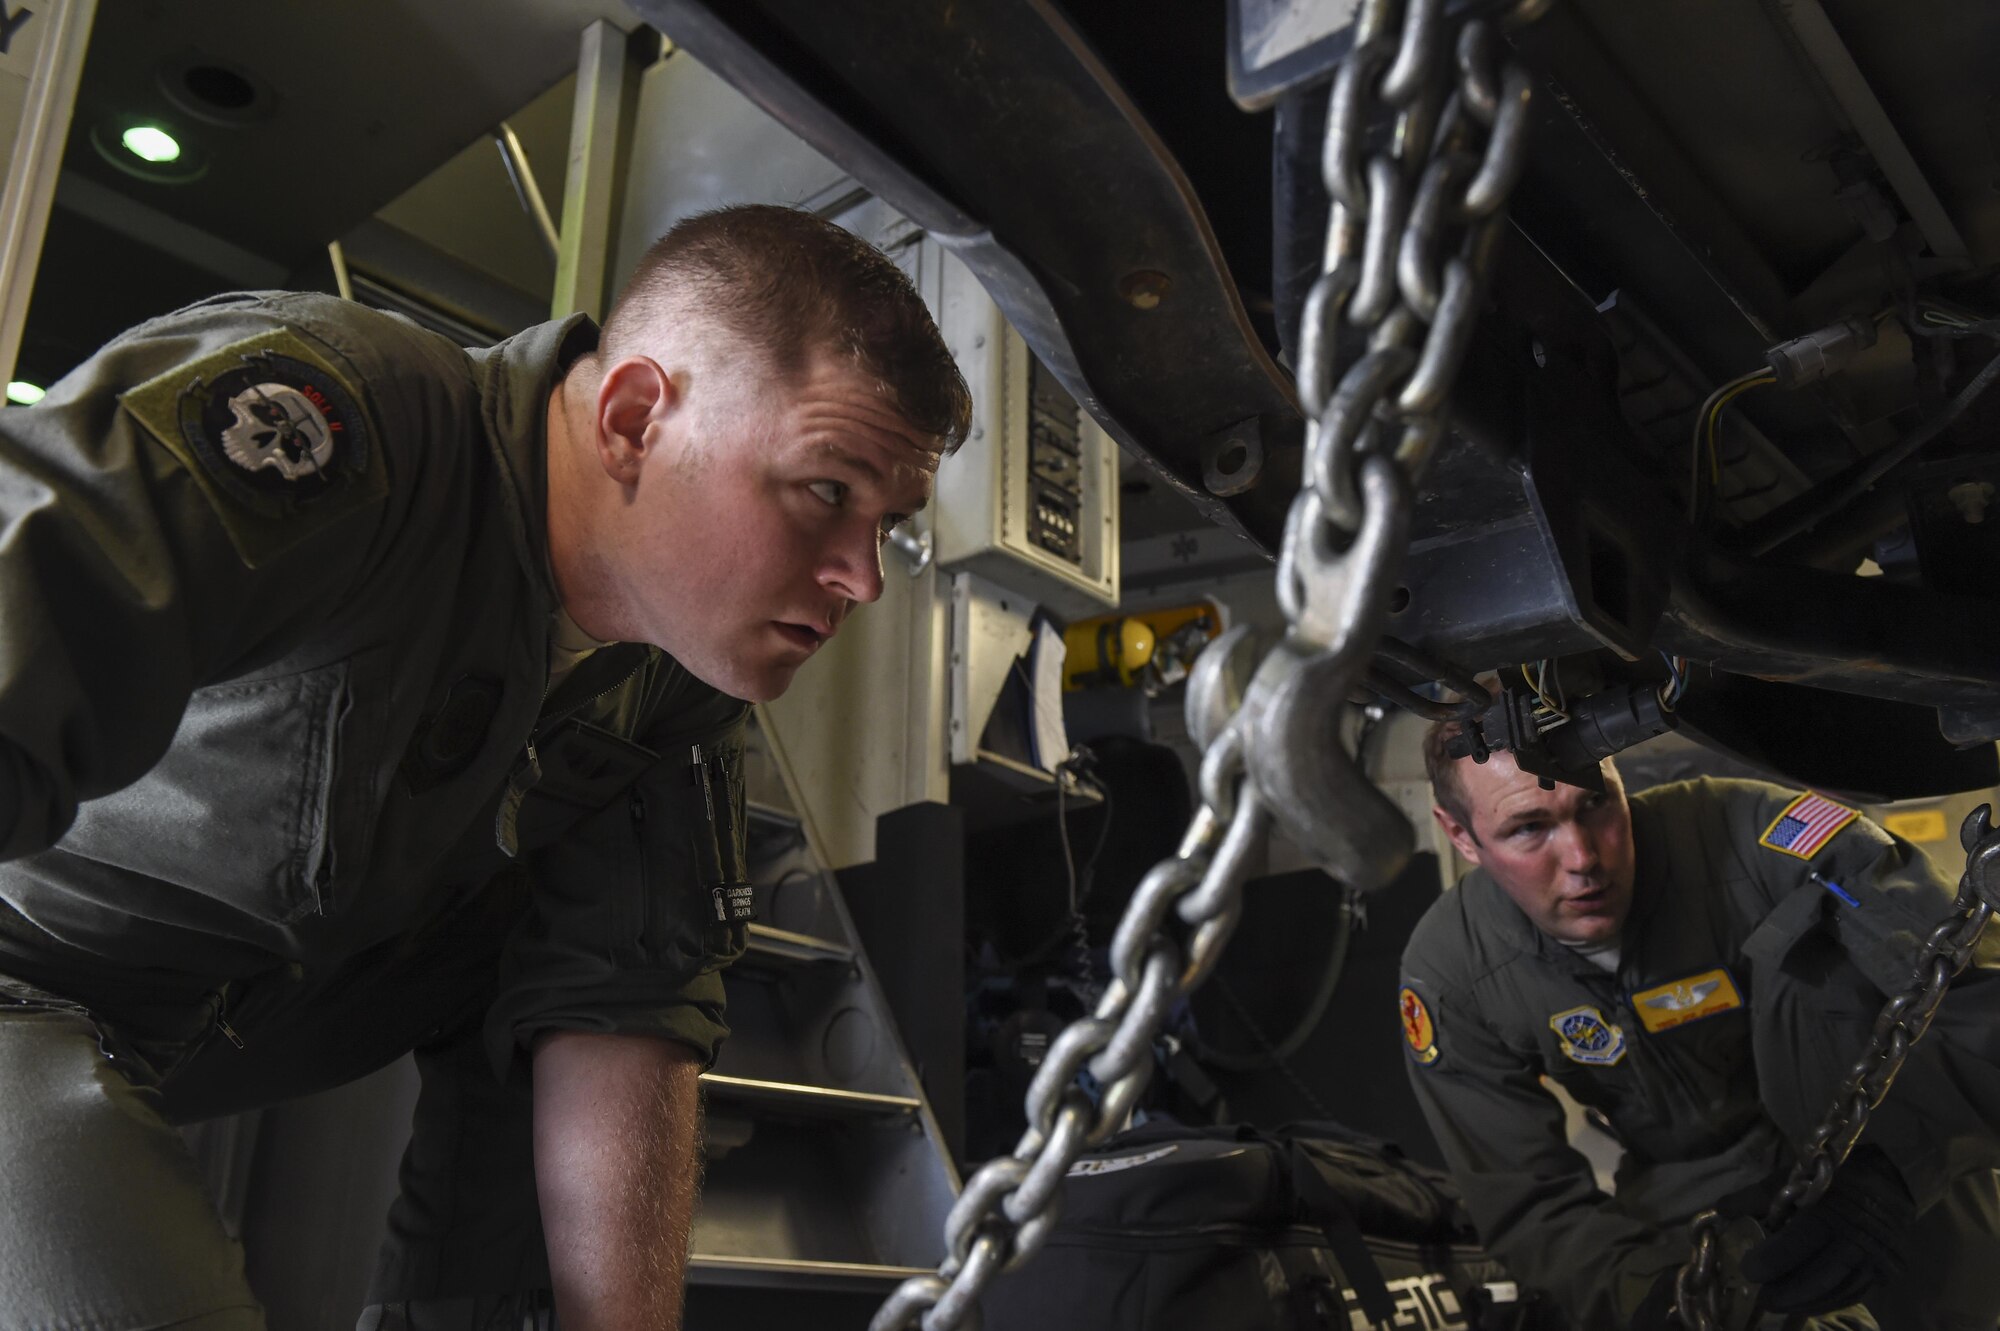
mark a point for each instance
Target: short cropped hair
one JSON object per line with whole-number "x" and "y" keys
{"x": 792, "y": 284}
{"x": 1447, "y": 791}
{"x": 1442, "y": 769}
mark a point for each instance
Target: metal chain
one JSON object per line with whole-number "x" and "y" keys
{"x": 1902, "y": 1022}
{"x": 1409, "y": 244}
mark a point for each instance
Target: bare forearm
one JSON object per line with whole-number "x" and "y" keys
{"x": 617, "y": 1168}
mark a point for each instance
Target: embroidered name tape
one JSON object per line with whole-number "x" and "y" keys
{"x": 1682, "y": 1001}
{"x": 1806, "y": 825}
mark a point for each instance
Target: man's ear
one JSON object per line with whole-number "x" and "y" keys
{"x": 1461, "y": 836}
{"x": 633, "y": 395}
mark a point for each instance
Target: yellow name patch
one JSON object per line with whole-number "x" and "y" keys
{"x": 1683, "y": 1001}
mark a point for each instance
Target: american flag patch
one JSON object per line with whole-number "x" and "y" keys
{"x": 1807, "y": 824}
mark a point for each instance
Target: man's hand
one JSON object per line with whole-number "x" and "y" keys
{"x": 1836, "y": 1250}
{"x": 616, "y": 1170}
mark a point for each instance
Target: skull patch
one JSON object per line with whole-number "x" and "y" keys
{"x": 278, "y": 427}
{"x": 273, "y": 433}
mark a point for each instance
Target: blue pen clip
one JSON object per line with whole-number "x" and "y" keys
{"x": 1834, "y": 888}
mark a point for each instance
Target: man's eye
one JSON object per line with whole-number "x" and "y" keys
{"x": 832, "y": 493}
{"x": 1525, "y": 829}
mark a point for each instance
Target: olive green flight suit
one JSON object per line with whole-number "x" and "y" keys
{"x": 284, "y": 794}
{"x": 1743, "y": 993}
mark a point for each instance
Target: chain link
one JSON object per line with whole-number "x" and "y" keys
{"x": 1409, "y": 244}
{"x": 1903, "y": 1020}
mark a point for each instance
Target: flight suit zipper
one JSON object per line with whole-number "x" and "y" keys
{"x": 222, "y": 1019}
{"x": 1646, "y": 1050}
{"x": 635, "y": 800}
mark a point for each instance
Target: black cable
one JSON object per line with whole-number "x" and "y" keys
{"x": 1077, "y": 963}
{"x": 1315, "y": 1012}
{"x": 1074, "y": 928}
{"x": 1281, "y": 1061}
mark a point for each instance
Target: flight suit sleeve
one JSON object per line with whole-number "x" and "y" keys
{"x": 190, "y": 499}
{"x": 1853, "y": 935}
{"x": 637, "y": 909}
{"x": 1533, "y": 1198}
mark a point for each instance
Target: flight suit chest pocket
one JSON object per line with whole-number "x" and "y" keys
{"x": 642, "y": 881}
{"x": 584, "y": 768}
{"x": 264, "y": 801}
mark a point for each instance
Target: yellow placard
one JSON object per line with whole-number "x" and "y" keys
{"x": 1683, "y": 1001}
{"x": 1918, "y": 825}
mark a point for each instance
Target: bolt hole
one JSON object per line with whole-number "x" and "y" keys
{"x": 1145, "y": 289}
{"x": 1231, "y": 459}
{"x": 1399, "y": 600}
{"x": 221, "y": 88}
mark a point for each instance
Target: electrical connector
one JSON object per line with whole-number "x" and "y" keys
{"x": 1809, "y": 359}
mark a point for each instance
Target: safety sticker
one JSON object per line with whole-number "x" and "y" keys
{"x": 1806, "y": 825}
{"x": 1587, "y": 1037}
{"x": 1417, "y": 1027}
{"x": 271, "y": 433}
{"x": 1918, "y": 825}
{"x": 1669, "y": 1005}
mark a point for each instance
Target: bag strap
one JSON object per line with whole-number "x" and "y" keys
{"x": 1343, "y": 1237}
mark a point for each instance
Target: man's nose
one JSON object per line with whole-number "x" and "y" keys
{"x": 854, "y": 568}
{"x": 1579, "y": 852}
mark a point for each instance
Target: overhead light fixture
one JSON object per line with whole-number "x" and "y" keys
{"x": 150, "y": 143}
{"x": 25, "y": 393}
{"x": 147, "y": 150}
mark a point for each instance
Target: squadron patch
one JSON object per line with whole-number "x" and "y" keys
{"x": 1806, "y": 825}
{"x": 271, "y": 433}
{"x": 1708, "y": 994}
{"x": 1417, "y": 1028}
{"x": 1587, "y": 1037}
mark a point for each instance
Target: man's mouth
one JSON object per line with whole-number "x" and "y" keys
{"x": 1589, "y": 901}
{"x": 801, "y": 635}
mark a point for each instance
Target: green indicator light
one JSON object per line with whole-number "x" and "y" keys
{"x": 149, "y": 143}
{"x": 25, "y": 393}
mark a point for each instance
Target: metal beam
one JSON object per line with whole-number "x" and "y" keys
{"x": 147, "y": 225}
{"x": 607, "y": 91}
{"x": 1829, "y": 56}
{"x": 41, "y": 63}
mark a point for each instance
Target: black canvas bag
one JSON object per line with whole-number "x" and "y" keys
{"x": 1312, "y": 1228}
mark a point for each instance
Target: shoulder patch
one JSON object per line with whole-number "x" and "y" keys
{"x": 1806, "y": 825}
{"x": 1418, "y": 1032}
{"x": 1587, "y": 1037}
{"x": 271, "y": 432}
{"x": 1666, "y": 1006}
